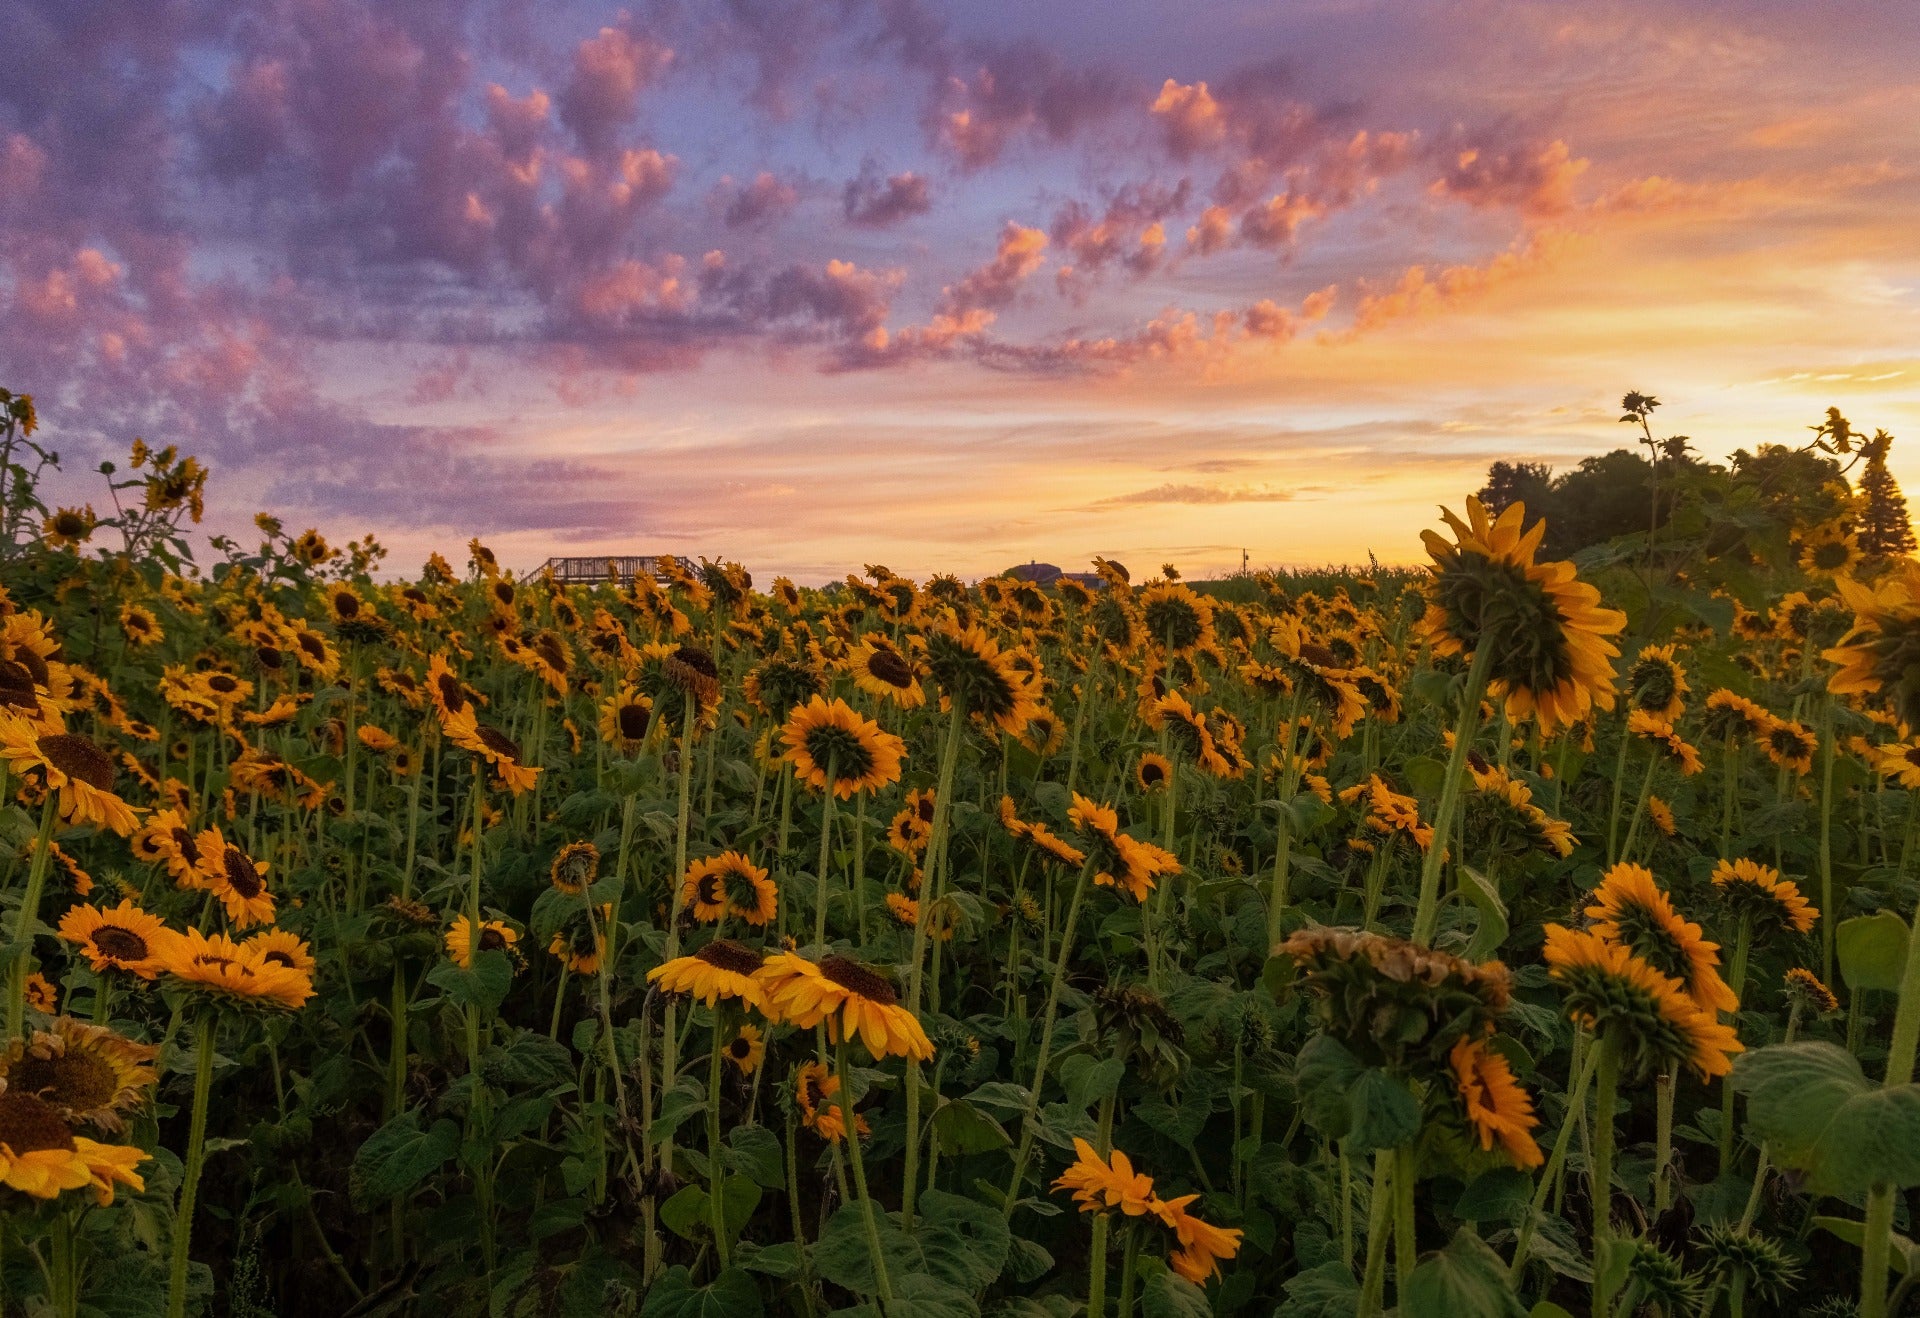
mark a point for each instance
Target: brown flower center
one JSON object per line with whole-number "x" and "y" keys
{"x": 492, "y": 940}
{"x": 280, "y": 958}
{"x": 30, "y": 1125}
{"x": 698, "y": 660}
{"x": 242, "y": 877}
{"x": 346, "y": 605}
{"x": 852, "y": 975}
{"x": 740, "y": 1049}
{"x": 314, "y": 646}
{"x": 711, "y": 890}
{"x": 118, "y": 943}
{"x": 890, "y": 668}
{"x": 16, "y": 686}
{"x": 499, "y": 743}
{"x": 729, "y": 955}
{"x": 79, "y": 758}
{"x": 75, "y": 1080}
{"x": 503, "y": 591}
{"x": 450, "y": 693}
{"x": 269, "y": 657}
{"x": 632, "y": 721}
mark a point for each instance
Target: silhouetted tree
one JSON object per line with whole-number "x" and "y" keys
{"x": 1884, "y": 529}
{"x": 1508, "y": 483}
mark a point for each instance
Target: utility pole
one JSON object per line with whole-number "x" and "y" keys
{"x": 1243, "y": 562}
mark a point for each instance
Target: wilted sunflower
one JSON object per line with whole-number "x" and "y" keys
{"x": 70, "y": 766}
{"x": 575, "y": 867}
{"x": 1880, "y": 654}
{"x": 880, "y": 669}
{"x": 1496, "y": 1105}
{"x": 234, "y": 974}
{"x": 1757, "y": 892}
{"x": 125, "y": 938}
{"x": 779, "y": 684}
{"x": 969, "y": 667}
{"x": 1630, "y": 909}
{"x": 1202, "y": 1245}
{"x": 493, "y": 747}
{"x": 86, "y": 1073}
{"x": 1544, "y": 628}
{"x": 1805, "y": 987}
{"x": 1656, "y": 1020}
{"x": 1394, "y": 1000}
{"x": 1656, "y": 684}
{"x": 1500, "y": 818}
{"x": 834, "y": 739}
{"x": 40, "y": 1155}
{"x": 1101, "y": 1183}
{"x": 853, "y": 1001}
{"x": 721, "y": 969}
{"x": 581, "y": 942}
{"x": 729, "y": 884}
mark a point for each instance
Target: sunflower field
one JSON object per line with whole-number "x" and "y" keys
{"x": 1498, "y": 938}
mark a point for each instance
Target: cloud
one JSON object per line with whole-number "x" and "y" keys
{"x": 1018, "y": 254}
{"x": 1012, "y": 90}
{"x": 762, "y": 201}
{"x": 610, "y": 70}
{"x": 1207, "y": 494}
{"x": 871, "y": 202}
{"x": 1533, "y": 178}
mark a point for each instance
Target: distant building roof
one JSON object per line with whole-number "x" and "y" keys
{"x": 1046, "y": 574}
{"x": 592, "y": 568}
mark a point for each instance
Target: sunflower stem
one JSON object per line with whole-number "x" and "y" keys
{"x": 1427, "y": 913}
{"x": 1826, "y": 839}
{"x": 1379, "y": 1210}
{"x": 29, "y": 916}
{"x": 1640, "y": 807}
{"x": 1606, "y": 1094}
{"x": 851, "y": 1133}
{"x": 1582, "y": 1076}
{"x": 716, "y": 1202}
{"x": 1029, "y": 1120}
{"x": 1405, "y": 1245}
{"x": 190, "y": 1173}
{"x": 936, "y": 859}
{"x": 1737, "y": 981}
{"x": 669, "y": 1034}
{"x": 1663, "y": 1094}
{"x": 828, "y": 798}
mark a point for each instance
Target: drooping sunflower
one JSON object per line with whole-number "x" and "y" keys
{"x": 881, "y": 669}
{"x": 1657, "y": 684}
{"x": 1545, "y": 628}
{"x": 1656, "y": 1020}
{"x": 1102, "y": 1183}
{"x": 1791, "y": 745}
{"x": 1050, "y": 847}
{"x": 776, "y": 686}
{"x": 1152, "y": 772}
{"x": 1880, "y": 653}
{"x": 233, "y": 974}
{"x": 575, "y": 867}
{"x": 581, "y": 941}
{"x": 1805, "y": 987}
{"x": 237, "y": 879}
{"x": 1733, "y": 717}
{"x": 1496, "y": 1105}
{"x": 816, "y": 1094}
{"x": 853, "y": 1001}
{"x": 1202, "y": 1245}
{"x": 747, "y": 1049}
{"x": 494, "y": 936}
{"x": 1630, "y": 909}
{"x": 969, "y": 667}
{"x": 1667, "y": 744}
{"x": 125, "y": 938}
{"x": 1758, "y": 893}
{"x": 86, "y": 1073}
{"x": 495, "y": 748}
{"x": 832, "y": 738}
{"x": 40, "y": 1155}
{"x": 729, "y": 884}
{"x": 70, "y": 766}
{"x": 1176, "y": 619}
{"x": 903, "y": 908}
{"x": 721, "y": 969}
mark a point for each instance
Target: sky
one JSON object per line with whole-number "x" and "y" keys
{"x": 945, "y": 287}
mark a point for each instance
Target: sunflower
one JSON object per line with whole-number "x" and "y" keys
{"x": 780, "y": 683}
{"x": 86, "y": 1073}
{"x": 1656, "y": 684}
{"x": 1044, "y": 734}
{"x": 575, "y": 867}
{"x": 40, "y": 1155}
{"x": 1829, "y": 551}
{"x": 234, "y": 974}
{"x": 69, "y": 527}
{"x": 1175, "y": 617}
{"x": 1101, "y": 1183}
{"x": 282, "y": 948}
{"x": 448, "y": 693}
{"x": 1496, "y": 1104}
{"x": 1202, "y": 1245}
{"x": 908, "y": 834}
{"x": 492, "y": 747}
{"x": 880, "y": 669}
{"x": 1316, "y": 672}
{"x": 494, "y": 936}
{"x": 1051, "y": 848}
{"x": 278, "y": 714}
{"x": 140, "y": 625}
{"x": 969, "y": 667}
{"x": 126, "y": 938}
{"x": 816, "y": 1093}
{"x": 904, "y": 908}
{"x": 825, "y": 738}
{"x": 1899, "y": 761}
{"x": 1757, "y": 892}
{"x": 1791, "y": 745}
{"x": 581, "y": 942}
{"x": 729, "y": 884}
{"x": 747, "y": 1049}
{"x": 376, "y": 739}
{"x": 1544, "y": 627}
{"x": 1630, "y": 909}
{"x": 1880, "y": 653}
{"x": 1662, "y": 816}
{"x": 237, "y": 879}
{"x": 271, "y": 777}
{"x": 1803, "y": 986}
{"x": 72, "y": 767}
{"x": 42, "y": 996}
{"x": 1666, "y": 743}
{"x": 1152, "y": 772}
{"x": 853, "y": 1001}
{"x": 1658, "y": 1021}
{"x": 721, "y": 969}
{"x": 625, "y": 717}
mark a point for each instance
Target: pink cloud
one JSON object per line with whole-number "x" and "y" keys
{"x": 1019, "y": 253}
{"x": 1534, "y": 178}
{"x": 610, "y": 70}
{"x": 767, "y": 198}
{"x": 873, "y": 203}
{"x": 1191, "y": 120}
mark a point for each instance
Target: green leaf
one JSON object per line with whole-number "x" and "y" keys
{"x": 732, "y": 1294}
{"x": 921, "y": 1296}
{"x": 756, "y": 1153}
{"x": 1088, "y": 1081}
{"x": 1872, "y": 951}
{"x": 1492, "y": 930}
{"x": 963, "y": 1128}
{"x": 689, "y": 1215}
{"x": 1382, "y": 1112}
{"x": 1324, "y": 1073}
{"x": 1465, "y": 1277}
{"x": 1169, "y": 1295}
{"x": 1326, "y": 1291}
{"x": 398, "y": 1157}
{"x": 1821, "y": 1114}
{"x": 781, "y": 1260}
{"x": 528, "y": 1059}
{"x": 676, "y": 1105}
{"x": 964, "y": 1241}
{"x": 1495, "y": 1196}
{"x": 484, "y": 987}
{"x": 1547, "y": 1309}
{"x": 1905, "y": 1255}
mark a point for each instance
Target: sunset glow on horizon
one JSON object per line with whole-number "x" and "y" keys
{"x": 945, "y": 287}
